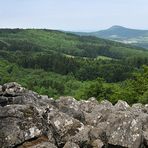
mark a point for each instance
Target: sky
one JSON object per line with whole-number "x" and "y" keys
{"x": 73, "y": 15}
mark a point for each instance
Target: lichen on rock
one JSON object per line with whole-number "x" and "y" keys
{"x": 30, "y": 120}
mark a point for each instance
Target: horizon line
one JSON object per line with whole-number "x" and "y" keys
{"x": 72, "y": 30}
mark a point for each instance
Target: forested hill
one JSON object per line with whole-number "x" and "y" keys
{"x": 56, "y": 63}
{"x": 49, "y": 40}
{"x": 121, "y": 34}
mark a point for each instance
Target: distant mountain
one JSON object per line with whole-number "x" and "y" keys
{"x": 122, "y": 34}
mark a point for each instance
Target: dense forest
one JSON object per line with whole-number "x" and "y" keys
{"x": 56, "y": 64}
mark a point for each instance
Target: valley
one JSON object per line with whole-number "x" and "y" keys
{"x": 63, "y": 64}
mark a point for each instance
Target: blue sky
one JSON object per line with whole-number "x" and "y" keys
{"x": 75, "y": 15}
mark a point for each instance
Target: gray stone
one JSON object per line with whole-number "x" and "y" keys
{"x": 92, "y": 99}
{"x": 87, "y": 106}
{"x": 19, "y": 123}
{"x": 146, "y": 108}
{"x": 1, "y": 90}
{"x": 70, "y": 106}
{"x": 98, "y": 133}
{"x": 28, "y": 119}
{"x": 106, "y": 104}
{"x": 63, "y": 126}
{"x": 124, "y": 130}
{"x": 102, "y": 112}
{"x": 82, "y": 137}
{"x": 145, "y": 135}
{"x": 92, "y": 118}
{"x": 70, "y": 145}
{"x": 12, "y": 89}
{"x": 3, "y": 101}
{"x": 97, "y": 143}
{"x": 121, "y": 106}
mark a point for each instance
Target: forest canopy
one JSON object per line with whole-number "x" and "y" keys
{"x": 56, "y": 64}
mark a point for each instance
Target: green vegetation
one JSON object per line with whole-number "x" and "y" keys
{"x": 57, "y": 64}
{"x": 132, "y": 90}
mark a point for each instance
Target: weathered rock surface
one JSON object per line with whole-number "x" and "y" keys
{"x": 29, "y": 120}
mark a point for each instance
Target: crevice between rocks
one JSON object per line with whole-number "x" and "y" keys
{"x": 32, "y": 142}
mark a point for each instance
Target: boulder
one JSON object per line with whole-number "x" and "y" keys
{"x": 102, "y": 111}
{"x": 121, "y": 106}
{"x": 124, "y": 129}
{"x": 63, "y": 126}
{"x": 12, "y": 89}
{"x": 87, "y": 106}
{"x": 19, "y": 123}
{"x": 92, "y": 118}
{"x": 82, "y": 137}
{"x": 70, "y": 106}
{"x": 106, "y": 104}
{"x": 30, "y": 120}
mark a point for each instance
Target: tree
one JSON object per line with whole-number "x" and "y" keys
{"x": 91, "y": 89}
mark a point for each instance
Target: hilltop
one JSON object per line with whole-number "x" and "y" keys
{"x": 122, "y": 34}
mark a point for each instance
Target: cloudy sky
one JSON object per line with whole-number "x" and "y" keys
{"x": 75, "y": 15}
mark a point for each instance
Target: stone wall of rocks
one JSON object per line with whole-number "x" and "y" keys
{"x": 29, "y": 120}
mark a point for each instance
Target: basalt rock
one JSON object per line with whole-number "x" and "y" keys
{"x": 30, "y": 120}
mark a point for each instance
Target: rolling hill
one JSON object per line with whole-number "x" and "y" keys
{"x": 57, "y": 63}
{"x": 121, "y": 34}
{"x": 39, "y": 40}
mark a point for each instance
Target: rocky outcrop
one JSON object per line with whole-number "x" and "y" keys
{"x": 29, "y": 120}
